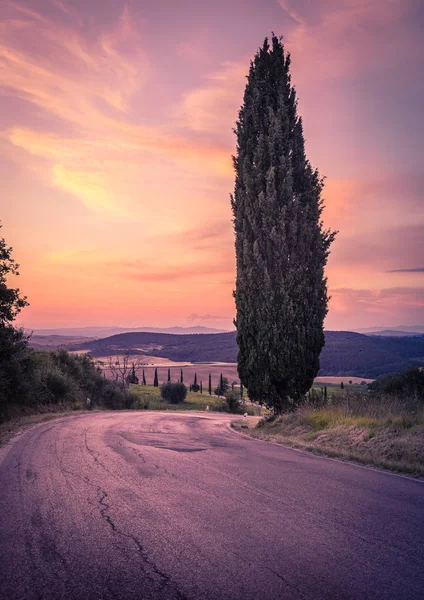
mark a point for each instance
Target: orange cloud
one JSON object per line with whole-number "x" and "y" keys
{"x": 214, "y": 105}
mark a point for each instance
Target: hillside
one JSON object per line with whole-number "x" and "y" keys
{"x": 345, "y": 353}
{"x": 102, "y": 332}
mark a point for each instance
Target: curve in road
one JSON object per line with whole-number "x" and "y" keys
{"x": 176, "y": 506}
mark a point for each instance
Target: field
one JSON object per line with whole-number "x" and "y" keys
{"x": 228, "y": 370}
{"x": 149, "y": 398}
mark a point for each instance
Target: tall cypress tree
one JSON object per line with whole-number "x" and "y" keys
{"x": 156, "y": 380}
{"x": 210, "y": 385}
{"x": 181, "y": 377}
{"x": 195, "y": 379}
{"x": 169, "y": 375}
{"x": 144, "y": 378}
{"x": 281, "y": 245}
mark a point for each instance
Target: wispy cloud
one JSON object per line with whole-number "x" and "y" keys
{"x": 213, "y": 106}
{"x": 413, "y": 270}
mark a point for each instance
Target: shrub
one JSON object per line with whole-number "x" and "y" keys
{"x": 233, "y": 401}
{"x": 131, "y": 400}
{"x": 408, "y": 383}
{"x": 113, "y": 397}
{"x": 175, "y": 393}
{"x": 195, "y": 387}
{"x": 58, "y": 385}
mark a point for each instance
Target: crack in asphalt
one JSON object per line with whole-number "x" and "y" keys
{"x": 166, "y": 580}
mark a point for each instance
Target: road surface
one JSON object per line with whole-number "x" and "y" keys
{"x": 142, "y": 505}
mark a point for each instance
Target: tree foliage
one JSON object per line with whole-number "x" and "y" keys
{"x": 407, "y": 384}
{"x": 281, "y": 245}
{"x": 11, "y": 301}
{"x": 173, "y": 392}
{"x": 222, "y": 387}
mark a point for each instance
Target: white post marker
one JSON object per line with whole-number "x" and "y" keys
{"x": 207, "y": 407}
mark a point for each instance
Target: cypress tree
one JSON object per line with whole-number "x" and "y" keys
{"x": 181, "y": 377}
{"x": 155, "y": 380}
{"x": 169, "y": 375}
{"x": 201, "y": 387}
{"x": 195, "y": 379}
{"x": 281, "y": 245}
{"x": 144, "y": 378}
{"x": 210, "y": 385}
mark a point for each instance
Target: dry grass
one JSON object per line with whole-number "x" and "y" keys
{"x": 387, "y": 433}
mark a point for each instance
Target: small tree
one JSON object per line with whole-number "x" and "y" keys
{"x": 210, "y": 385}
{"x": 11, "y": 301}
{"x": 201, "y": 387}
{"x": 156, "y": 380}
{"x": 233, "y": 401}
{"x": 144, "y": 378}
{"x": 132, "y": 377}
{"x": 222, "y": 387}
{"x": 342, "y": 385}
{"x": 175, "y": 393}
{"x": 13, "y": 342}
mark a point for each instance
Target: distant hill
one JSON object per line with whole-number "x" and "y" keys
{"x": 394, "y": 331}
{"x": 52, "y": 342}
{"x": 102, "y": 332}
{"x": 345, "y": 352}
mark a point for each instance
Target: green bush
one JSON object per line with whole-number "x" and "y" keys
{"x": 233, "y": 401}
{"x": 175, "y": 393}
{"x": 407, "y": 384}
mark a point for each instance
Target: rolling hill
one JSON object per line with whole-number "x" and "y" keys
{"x": 345, "y": 352}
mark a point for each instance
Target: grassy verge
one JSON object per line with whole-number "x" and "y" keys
{"x": 149, "y": 397}
{"x": 385, "y": 432}
{"x": 40, "y": 414}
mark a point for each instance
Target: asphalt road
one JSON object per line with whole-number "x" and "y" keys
{"x": 170, "y": 506}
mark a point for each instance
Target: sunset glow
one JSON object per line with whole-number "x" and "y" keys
{"x": 116, "y": 142}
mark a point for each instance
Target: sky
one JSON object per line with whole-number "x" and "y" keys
{"x": 116, "y": 140}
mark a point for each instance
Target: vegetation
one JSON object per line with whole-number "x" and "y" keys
{"x": 149, "y": 397}
{"x": 281, "y": 246}
{"x": 173, "y": 392}
{"x": 223, "y": 386}
{"x": 408, "y": 384}
{"x": 11, "y": 301}
{"x": 234, "y": 401}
